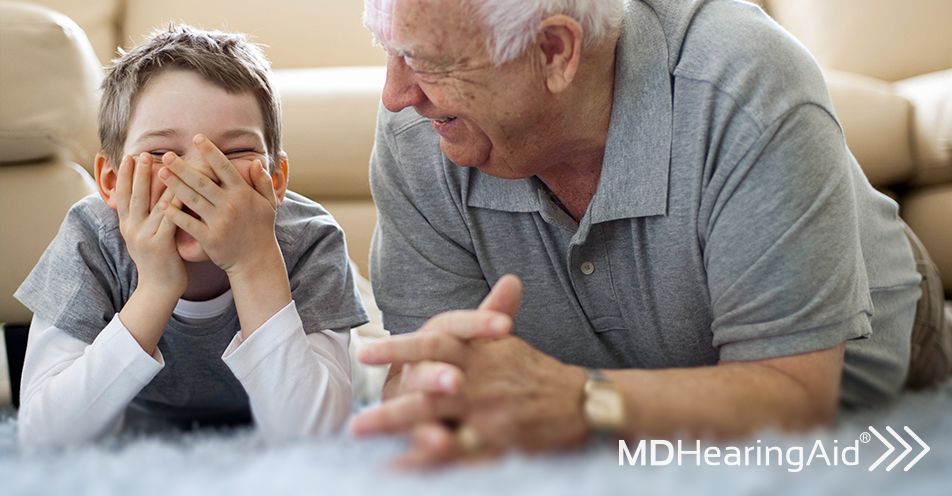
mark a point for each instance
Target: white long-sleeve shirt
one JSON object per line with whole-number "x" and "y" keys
{"x": 298, "y": 384}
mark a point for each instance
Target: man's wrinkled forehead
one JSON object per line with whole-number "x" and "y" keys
{"x": 403, "y": 25}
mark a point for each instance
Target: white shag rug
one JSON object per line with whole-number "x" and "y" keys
{"x": 235, "y": 463}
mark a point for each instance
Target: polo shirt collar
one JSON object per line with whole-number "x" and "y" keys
{"x": 508, "y": 195}
{"x": 634, "y": 178}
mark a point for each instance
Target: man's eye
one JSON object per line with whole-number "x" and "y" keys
{"x": 416, "y": 66}
{"x": 158, "y": 153}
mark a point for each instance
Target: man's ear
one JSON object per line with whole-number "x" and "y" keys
{"x": 106, "y": 175}
{"x": 560, "y": 43}
{"x": 279, "y": 176}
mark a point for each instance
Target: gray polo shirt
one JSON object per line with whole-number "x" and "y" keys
{"x": 730, "y": 222}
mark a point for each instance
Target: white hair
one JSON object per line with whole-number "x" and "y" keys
{"x": 515, "y": 24}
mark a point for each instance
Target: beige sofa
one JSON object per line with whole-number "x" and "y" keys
{"x": 891, "y": 91}
{"x": 889, "y": 64}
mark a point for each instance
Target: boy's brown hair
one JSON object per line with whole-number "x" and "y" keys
{"x": 227, "y": 60}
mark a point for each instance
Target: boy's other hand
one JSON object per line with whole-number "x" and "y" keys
{"x": 235, "y": 220}
{"x": 149, "y": 235}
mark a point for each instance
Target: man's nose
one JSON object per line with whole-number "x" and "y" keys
{"x": 400, "y": 90}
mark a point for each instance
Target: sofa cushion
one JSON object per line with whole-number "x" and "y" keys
{"x": 931, "y": 95}
{"x": 329, "y": 117}
{"x": 50, "y": 78}
{"x": 875, "y": 120}
{"x": 358, "y": 218}
{"x": 298, "y": 33}
{"x": 886, "y": 39}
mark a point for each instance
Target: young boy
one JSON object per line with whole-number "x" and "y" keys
{"x": 195, "y": 288}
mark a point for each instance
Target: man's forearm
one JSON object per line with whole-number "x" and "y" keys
{"x": 733, "y": 399}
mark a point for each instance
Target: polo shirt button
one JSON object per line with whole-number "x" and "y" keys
{"x": 587, "y": 268}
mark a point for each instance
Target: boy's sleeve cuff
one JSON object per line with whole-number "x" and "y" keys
{"x": 118, "y": 342}
{"x": 282, "y": 329}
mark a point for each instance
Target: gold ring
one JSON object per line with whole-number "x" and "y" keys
{"x": 469, "y": 439}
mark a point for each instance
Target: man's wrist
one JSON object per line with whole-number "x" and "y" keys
{"x": 576, "y": 378}
{"x": 603, "y": 404}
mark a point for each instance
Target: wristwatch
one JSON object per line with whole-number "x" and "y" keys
{"x": 603, "y": 403}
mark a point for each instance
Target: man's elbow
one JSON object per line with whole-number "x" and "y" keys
{"x": 810, "y": 384}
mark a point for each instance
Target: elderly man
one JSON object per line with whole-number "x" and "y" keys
{"x": 697, "y": 251}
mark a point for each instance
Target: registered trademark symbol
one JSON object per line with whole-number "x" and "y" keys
{"x": 864, "y": 437}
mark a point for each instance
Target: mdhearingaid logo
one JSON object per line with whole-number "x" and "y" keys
{"x": 657, "y": 452}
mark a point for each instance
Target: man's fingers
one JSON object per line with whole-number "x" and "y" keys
{"x": 432, "y": 444}
{"x": 223, "y": 167}
{"x": 402, "y": 413}
{"x": 505, "y": 297}
{"x": 263, "y": 184}
{"x": 415, "y": 347}
{"x": 470, "y": 324}
{"x": 431, "y": 377}
{"x": 124, "y": 185}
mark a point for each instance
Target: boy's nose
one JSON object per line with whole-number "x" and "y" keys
{"x": 400, "y": 89}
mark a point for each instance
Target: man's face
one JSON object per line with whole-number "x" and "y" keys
{"x": 439, "y": 64}
{"x": 175, "y": 106}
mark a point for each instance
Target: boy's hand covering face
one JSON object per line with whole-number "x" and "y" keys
{"x": 149, "y": 235}
{"x": 235, "y": 224}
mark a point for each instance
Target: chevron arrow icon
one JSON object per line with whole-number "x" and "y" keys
{"x": 890, "y": 448}
{"x": 925, "y": 449}
{"x": 884, "y": 455}
{"x": 901, "y": 455}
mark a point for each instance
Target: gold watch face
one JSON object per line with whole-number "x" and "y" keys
{"x": 604, "y": 406}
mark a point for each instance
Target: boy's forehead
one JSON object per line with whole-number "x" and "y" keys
{"x": 183, "y": 102}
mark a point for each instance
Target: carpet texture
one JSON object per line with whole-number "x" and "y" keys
{"x": 236, "y": 463}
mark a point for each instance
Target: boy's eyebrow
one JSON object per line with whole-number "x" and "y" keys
{"x": 158, "y": 133}
{"x": 240, "y": 133}
{"x": 230, "y": 134}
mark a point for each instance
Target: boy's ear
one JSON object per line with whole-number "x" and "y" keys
{"x": 106, "y": 175}
{"x": 279, "y": 176}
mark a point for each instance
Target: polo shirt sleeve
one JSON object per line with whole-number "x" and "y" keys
{"x": 782, "y": 250}
{"x": 422, "y": 260}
